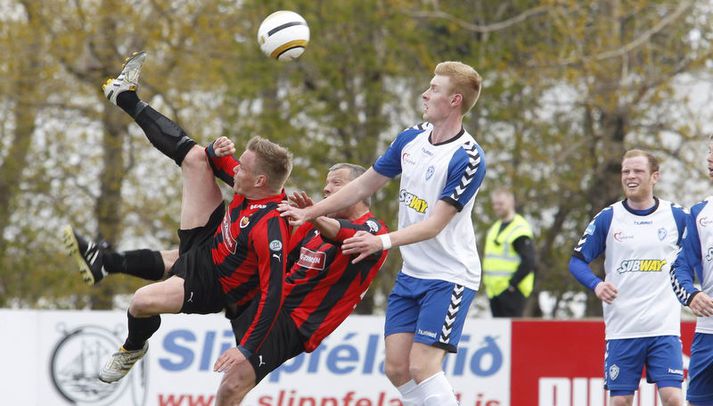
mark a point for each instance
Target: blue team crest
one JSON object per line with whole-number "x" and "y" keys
{"x": 662, "y": 233}
{"x": 429, "y": 172}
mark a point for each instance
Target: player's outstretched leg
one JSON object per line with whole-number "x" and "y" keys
{"x": 163, "y": 133}
{"x": 88, "y": 255}
{"x": 95, "y": 260}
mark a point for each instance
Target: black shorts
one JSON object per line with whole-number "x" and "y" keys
{"x": 202, "y": 292}
{"x": 283, "y": 343}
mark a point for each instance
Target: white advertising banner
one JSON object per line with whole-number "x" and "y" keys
{"x": 52, "y": 358}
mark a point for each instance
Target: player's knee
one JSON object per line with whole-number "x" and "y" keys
{"x": 621, "y": 400}
{"x": 397, "y": 372}
{"x": 195, "y": 158}
{"x": 671, "y": 397}
{"x": 142, "y": 304}
{"x": 234, "y": 386}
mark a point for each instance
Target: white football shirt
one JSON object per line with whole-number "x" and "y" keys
{"x": 451, "y": 171}
{"x": 696, "y": 260}
{"x": 639, "y": 247}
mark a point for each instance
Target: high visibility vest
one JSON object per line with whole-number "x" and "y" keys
{"x": 501, "y": 260}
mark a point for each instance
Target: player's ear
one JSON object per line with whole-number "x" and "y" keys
{"x": 456, "y": 99}
{"x": 260, "y": 181}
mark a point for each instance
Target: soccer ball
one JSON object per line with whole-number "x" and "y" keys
{"x": 283, "y": 35}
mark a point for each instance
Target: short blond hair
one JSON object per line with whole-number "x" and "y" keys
{"x": 273, "y": 161}
{"x": 653, "y": 161}
{"x": 465, "y": 81}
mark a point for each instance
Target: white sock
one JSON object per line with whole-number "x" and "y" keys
{"x": 437, "y": 391}
{"x": 409, "y": 394}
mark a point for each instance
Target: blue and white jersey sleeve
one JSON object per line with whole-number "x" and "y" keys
{"x": 465, "y": 175}
{"x": 389, "y": 164}
{"x": 594, "y": 240}
{"x": 688, "y": 261}
{"x": 680, "y": 216}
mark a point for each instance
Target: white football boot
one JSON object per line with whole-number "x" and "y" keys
{"x": 120, "y": 363}
{"x": 128, "y": 79}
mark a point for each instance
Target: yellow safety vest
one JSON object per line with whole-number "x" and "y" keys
{"x": 501, "y": 260}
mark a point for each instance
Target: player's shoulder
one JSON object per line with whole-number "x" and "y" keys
{"x": 602, "y": 219}
{"x": 697, "y": 208}
{"x": 415, "y": 130}
{"x": 676, "y": 208}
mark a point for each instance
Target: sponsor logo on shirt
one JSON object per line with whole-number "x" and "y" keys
{"x": 675, "y": 371}
{"x": 704, "y": 221}
{"x": 406, "y": 158}
{"x": 620, "y": 236}
{"x": 641, "y": 265}
{"x": 427, "y": 152}
{"x": 312, "y": 259}
{"x": 643, "y": 222}
{"x": 412, "y": 201}
{"x": 373, "y": 226}
{"x": 228, "y": 240}
{"x": 257, "y": 206}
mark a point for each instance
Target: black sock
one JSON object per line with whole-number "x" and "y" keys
{"x": 140, "y": 330}
{"x": 130, "y": 103}
{"x": 145, "y": 264}
{"x": 164, "y": 134}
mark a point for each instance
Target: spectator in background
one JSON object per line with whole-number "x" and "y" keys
{"x": 509, "y": 258}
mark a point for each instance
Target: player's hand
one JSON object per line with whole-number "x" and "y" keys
{"x": 702, "y": 305}
{"x": 229, "y": 359}
{"x": 362, "y": 245}
{"x": 300, "y": 199}
{"x": 223, "y": 146}
{"x": 606, "y": 291}
{"x": 295, "y": 216}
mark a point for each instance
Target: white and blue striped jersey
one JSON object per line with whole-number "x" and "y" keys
{"x": 639, "y": 247}
{"x": 695, "y": 260}
{"x": 451, "y": 171}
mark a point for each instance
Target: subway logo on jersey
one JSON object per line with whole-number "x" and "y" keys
{"x": 641, "y": 265}
{"x": 412, "y": 201}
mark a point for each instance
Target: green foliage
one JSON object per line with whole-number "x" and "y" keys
{"x": 568, "y": 86}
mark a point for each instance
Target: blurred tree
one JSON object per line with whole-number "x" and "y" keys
{"x": 568, "y": 87}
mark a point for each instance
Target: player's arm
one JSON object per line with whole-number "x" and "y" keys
{"x": 364, "y": 244}
{"x": 687, "y": 265}
{"x": 220, "y": 156}
{"x": 590, "y": 246}
{"x": 328, "y": 227}
{"x": 355, "y": 191}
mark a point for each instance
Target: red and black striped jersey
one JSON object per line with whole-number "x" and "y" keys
{"x": 249, "y": 249}
{"x": 323, "y": 286}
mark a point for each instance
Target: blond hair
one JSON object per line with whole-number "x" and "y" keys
{"x": 274, "y": 161}
{"x": 464, "y": 81}
{"x": 653, "y": 161}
